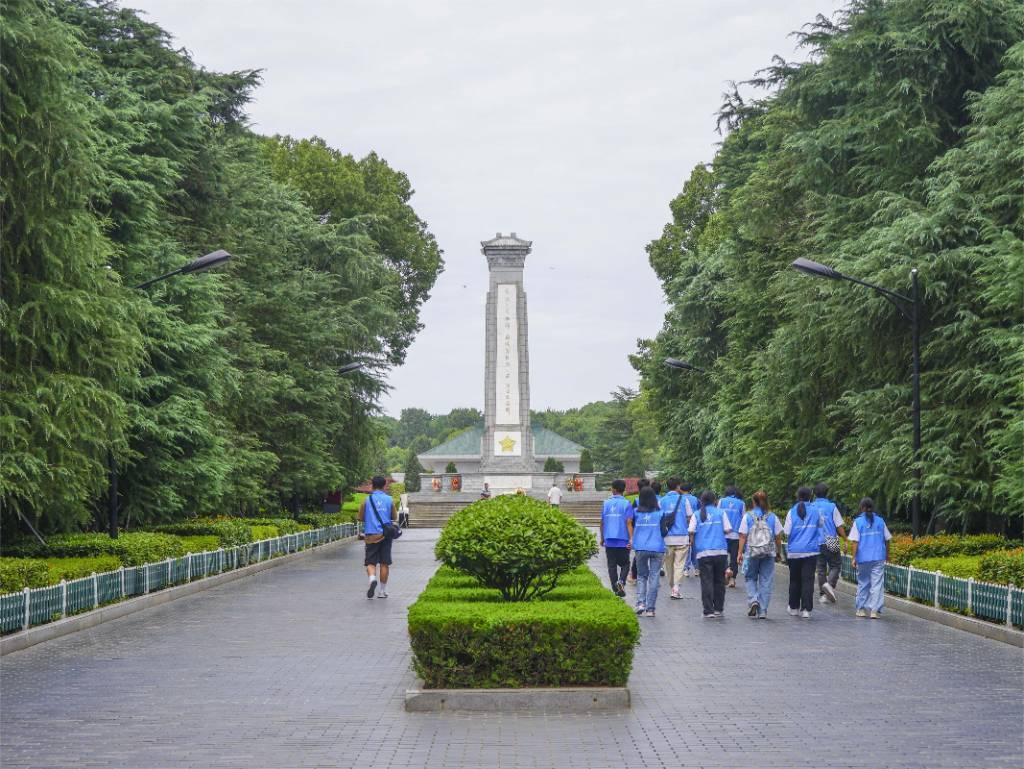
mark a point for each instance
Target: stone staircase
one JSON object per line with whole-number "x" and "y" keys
{"x": 435, "y": 514}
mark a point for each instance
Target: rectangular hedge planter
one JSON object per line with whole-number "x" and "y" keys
{"x": 465, "y": 636}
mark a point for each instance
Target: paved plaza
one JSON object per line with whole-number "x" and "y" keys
{"x": 293, "y": 667}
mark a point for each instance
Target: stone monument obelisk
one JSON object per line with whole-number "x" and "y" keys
{"x": 508, "y": 441}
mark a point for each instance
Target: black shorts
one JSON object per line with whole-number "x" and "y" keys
{"x": 378, "y": 552}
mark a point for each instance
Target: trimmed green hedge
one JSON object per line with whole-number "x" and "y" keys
{"x": 323, "y": 520}
{"x": 951, "y": 565}
{"x": 465, "y": 636}
{"x": 229, "y": 531}
{"x": 18, "y": 573}
{"x": 132, "y": 549}
{"x": 904, "y": 550}
{"x": 1003, "y": 566}
{"x": 283, "y": 525}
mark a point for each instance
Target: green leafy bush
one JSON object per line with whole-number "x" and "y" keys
{"x": 951, "y": 565}
{"x": 201, "y": 543}
{"x": 263, "y": 532}
{"x": 903, "y": 550}
{"x": 464, "y": 635}
{"x": 229, "y": 531}
{"x": 514, "y": 544}
{"x": 323, "y": 520}
{"x": 18, "y": 573}
{"x": 132, "y": 549}
{"x": 1003, "y": 566}
{"x": 283, "y": 525}
{"x": 74, "y": 568}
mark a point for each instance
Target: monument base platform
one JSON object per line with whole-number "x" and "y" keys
{"x": 431, "y": 510}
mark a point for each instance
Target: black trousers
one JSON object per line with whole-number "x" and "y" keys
{"x": 734, "y": 551}
{"x": 801, "y": 582}
{"x": 618, "y": 563}
{"x": 712, "y": 582}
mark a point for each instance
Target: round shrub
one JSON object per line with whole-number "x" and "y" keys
{"x": 514, "y": 544}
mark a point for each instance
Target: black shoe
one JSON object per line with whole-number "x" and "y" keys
{"x": 755, "y": 607}
{"x": 620, "y": 589}
{"x": 372, "y": 588}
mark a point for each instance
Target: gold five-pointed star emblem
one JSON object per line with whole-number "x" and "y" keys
{"x": 507, "y": 444}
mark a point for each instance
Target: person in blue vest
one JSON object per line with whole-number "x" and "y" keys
{"x": 830, "y": 557}
{"x": 376, "y": 511}
{"x": 708, "y": 528}
{"x": 616, "y": 533}
{"x": 677, "y": 538}
{"x": 732, "y": 504}
{"x": 804, "y": 530}
{"x": 869, "y": 540}
{"x": 649, "y": 546}
{"x": 759, "y": 567}
{"x": 640, "y": 485}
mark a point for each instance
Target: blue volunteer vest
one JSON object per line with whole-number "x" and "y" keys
{"x": 805, "y": 536}
{"x": 613, "y": 518}
{"x": 824, "y": 505}
{"x": 647, "y": 531}
{"x": 733, "y": 507}
{"x": 871, "y": 546}
{"x": 668, "y": 506}
{"x": 709, "y": 534}
{"x": 384, "y": 507}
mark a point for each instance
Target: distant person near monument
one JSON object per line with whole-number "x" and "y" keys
{"x": 554, "y": 495}
{"x": 485, "y": 493}
{"x": 376, "y": 511}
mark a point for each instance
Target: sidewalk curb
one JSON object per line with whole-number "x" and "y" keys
{"x": 971, "y": 625}
{"x": 23, "y": 639}
{"x": 569, "y": 699}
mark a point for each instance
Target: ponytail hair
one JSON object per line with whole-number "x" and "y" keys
{"x": 706, "y": 498}
{"x": 804, "y": 495}
{"x": 867, "y": 506}
{"x": 760, "y": 499}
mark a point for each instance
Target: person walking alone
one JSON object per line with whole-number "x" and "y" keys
{"x": 803, "y": 530}
{"x": 376, "y": 511}
{"x": 830, "y": 557}
{"x": 869, "y": 538}
{"x": 760, "y": 545}
{"x": 677, "y": 538}
{"x": 616, "y": 533}
{"x": 732, "y": 505}
{"x": 554, "y": 495}
{"x": 708, "y": 528}
{"x": 649, "y": 546}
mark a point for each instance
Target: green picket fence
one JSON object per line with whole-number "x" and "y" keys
{"x": 984, "y": 600}
{"x": 37, "y": 606}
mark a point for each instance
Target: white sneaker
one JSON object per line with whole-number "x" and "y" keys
{"x": 383, "y": 592}
{"x": 830, "y": 592}
{"x": 861, "y": 613}
{"x": 793, "y": 612}
{"x": 822, "y": 598}
{"x": 805, "y": 614}
{"x": 875, "y": 615}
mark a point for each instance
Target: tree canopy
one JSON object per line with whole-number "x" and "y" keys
{"x": 121, "y": 159}
{"x": 898, "y": 145}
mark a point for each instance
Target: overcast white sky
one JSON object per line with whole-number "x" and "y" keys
{"x": 572, "y": 123}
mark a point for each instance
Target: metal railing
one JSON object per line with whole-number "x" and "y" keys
{"x": 37, "y": 606}
{"x": 984, "y": 600}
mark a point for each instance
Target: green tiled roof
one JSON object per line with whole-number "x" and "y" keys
{"x": 468, "y": 444}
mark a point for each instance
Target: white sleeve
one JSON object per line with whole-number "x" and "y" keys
{"x": 887, "y": 535}
{"x": 725, "y": 523}
{"x": 837, "y": 517}
{"x": 743, "y": 525}
{"x": 692, "y": 526}
{"x": 854, "y": 533}
{"x": 789, "y": 525}
{"x": 778, "y": 526}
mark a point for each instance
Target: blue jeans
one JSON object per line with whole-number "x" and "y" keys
{"x": 648, "y": 565}
{"x": 870, "y": 585}
{"x": 760, "y": 573}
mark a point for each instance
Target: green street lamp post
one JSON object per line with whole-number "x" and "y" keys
{"x": 200, "y": 264}
{"x": 910, "y": 308}
{"x": 682, "y": 365}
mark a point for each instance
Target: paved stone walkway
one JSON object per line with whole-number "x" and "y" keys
{"x": 295, "y": 668}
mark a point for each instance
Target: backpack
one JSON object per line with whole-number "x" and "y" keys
{"x": 760, "y": 542}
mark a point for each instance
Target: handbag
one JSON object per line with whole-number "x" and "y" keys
{"x": 832, "y": 544}
{"x": 389, "y": 529}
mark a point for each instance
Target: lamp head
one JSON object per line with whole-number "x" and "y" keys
{"x": 208, "y": 262}
{"x": 348, "y": 368}
{"x": 816, "y": 269}
{"x": 682, "y": 365}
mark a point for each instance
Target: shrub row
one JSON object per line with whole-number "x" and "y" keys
{"x": 1003, "y": 566}
{"x": 465, "y": 635}
{"x": 230, "y": 532}
{"x": 18, "y": 573}
{"x": 903, "y": 550}
{"x": 323, "y": 520}
{"x": 132, "y": 549}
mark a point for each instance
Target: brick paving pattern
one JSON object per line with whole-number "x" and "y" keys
{"x": 295, "y": 668}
